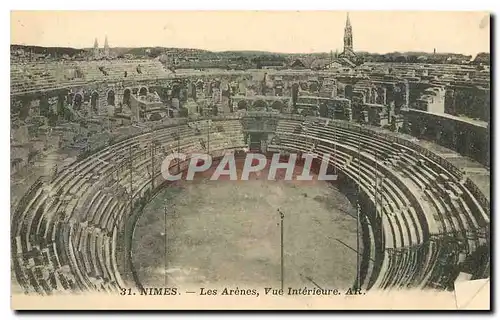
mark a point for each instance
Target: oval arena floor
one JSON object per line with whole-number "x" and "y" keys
{"x": 227, "y": 233}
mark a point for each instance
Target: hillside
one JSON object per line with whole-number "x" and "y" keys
{"x": 48, "y": 50}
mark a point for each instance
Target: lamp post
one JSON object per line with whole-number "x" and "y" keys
{"x": 358, "y": 213}
{"x": 208, "y": 136}
{"x": 166, "y": 244}
{"x": 127, "y": 215}
{"x": 282, "y": 216}
{"x": 119, "y": 192}
{"x": 153, "y": 146}
{"x": 178, "y": 138}
{"x": 125, "y": 229}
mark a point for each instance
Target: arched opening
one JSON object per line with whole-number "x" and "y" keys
{"x": 242, "y": 105}
{"x": 61, "y": 107}
{"x": 348, "y": 92}
{"x": 176, "y": 91}
{"x": 45, "y": 107}
{"x": 111, "y": 98}
{"x": 143, "y": 91}
{"x": 259, "y": 105}
{"x": 314, "y": 86}
{"x": 304, "y": 86}
{"x": 78, "y": 101}
{"x": 126, "y": 97}
{"x": 379, "y": 97}
{"x": 277, "y": 105}
{"x": 193, "y": 91}
{"x": 94, "y": 99}
{"x": 86, "y": 97}
{"x": 183, "y": 94}
{"x": 156, "y": 116}
{"x": 163, "y": 92}
{"x": 170, "y": 113}
{"x": 323, "y": 110}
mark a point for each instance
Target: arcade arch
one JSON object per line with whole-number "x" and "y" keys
{"x": 259, "y": 105}
{"x": 77, "y": 101}
{"x": 313, "y": 86}
{"x": 143, "y": 91}
{"x": 176, "y": 90}
{"x": 348, "y": 92}
{"x": 126, "y": 97}
{"x": 242, "y": 105}
{"x": 94, "y": 101}
{"x": 111, "y": 98}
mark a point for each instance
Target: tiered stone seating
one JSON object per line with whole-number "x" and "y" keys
{"x": 65, "y": 231}
{"x": 115, "y": 70}
{"x": 43, "y": 76}
{"x": 51, "y": 75}
{"x": 364, "y": 175}
{"x": 70, "y": 225}
{"x": 407, "y": 223}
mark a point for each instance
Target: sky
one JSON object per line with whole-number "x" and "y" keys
{"x": 276, "y": 31}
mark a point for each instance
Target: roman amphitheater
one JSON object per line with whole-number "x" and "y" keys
{"x": 90, "y": 210}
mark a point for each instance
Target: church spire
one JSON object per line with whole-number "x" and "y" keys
{"x": 96, "y": 49}
{"x": 348, "y": 47}
{"x": 106, "y": 46}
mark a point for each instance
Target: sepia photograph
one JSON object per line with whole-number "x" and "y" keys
{"x": 250, "y": 160}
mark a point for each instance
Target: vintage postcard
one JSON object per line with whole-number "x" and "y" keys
{"x": 262, "y": 160}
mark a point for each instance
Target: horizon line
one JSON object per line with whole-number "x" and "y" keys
{"x": 250, "y": 50}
